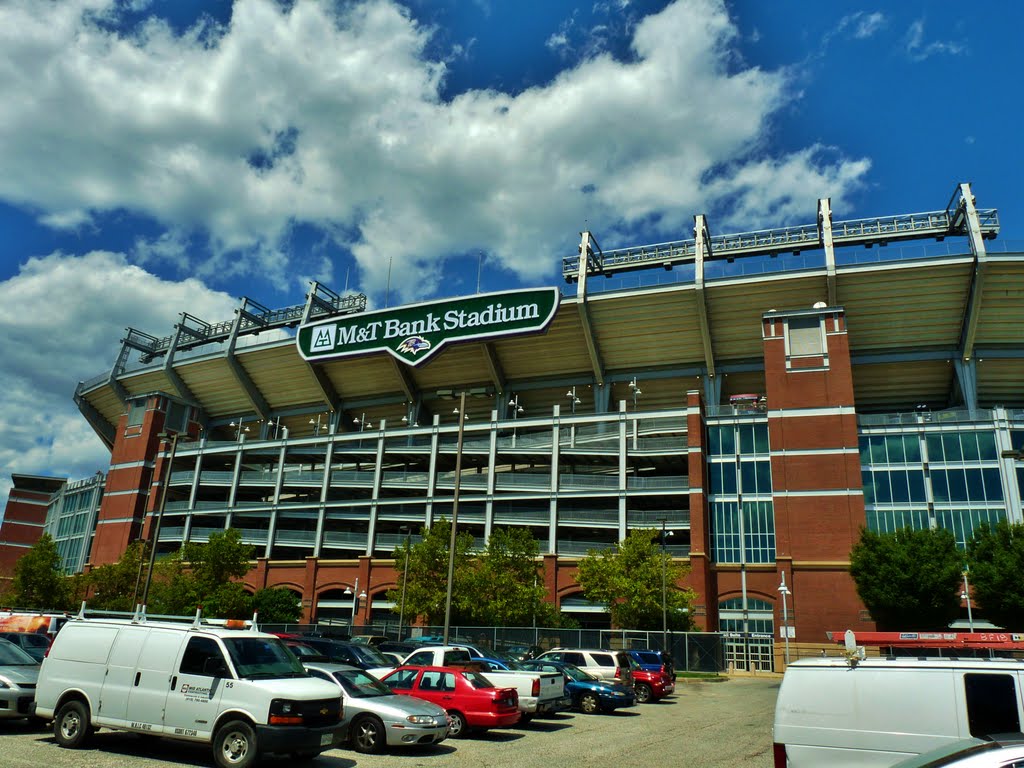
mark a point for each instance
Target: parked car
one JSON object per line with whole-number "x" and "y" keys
{"x": 471, "y": 700}
{"x": 651, "y": 685}
{"x": 587, "y": 693}
{"x": 365, "y": 657}
{"x": 374, "y": 640}
{"x": 377, "y": 716}
{"x": 400, "y": 647}
{"x": 540, "y": 693}
{"x": 438, "y": 656}
{"x": 971, "y": 753}
{"x": 393, "y": 657}
{"x": 302, "y": 651}
{"x": 19, "y": 673}
{"x": 521, "y": 651}
{"x": 653, "y": 661}
{"x": 35, "y": 644}
{"x": 599, "y": 662}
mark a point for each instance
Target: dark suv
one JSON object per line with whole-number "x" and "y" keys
{"x": 361, "y": 656}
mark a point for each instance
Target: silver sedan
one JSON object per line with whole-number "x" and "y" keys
{"x": 18, "y": 674}
{"x": 377, "y": 716}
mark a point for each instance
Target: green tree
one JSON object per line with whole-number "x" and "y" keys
{"x": 507, "y": 585}
{"x": 908, "y": 579}
{"x": 277, "y": 605}
{"x": 628, "y": 578}
{"x": 203, "y": 574}
{"x": 996, "y": 557}
{"x": 112, "y": 587}
{"x": 426, "y": 589}
{"x": 39, "y": 580}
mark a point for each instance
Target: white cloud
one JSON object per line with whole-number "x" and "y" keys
{"x": 330, "y": 115}
{"x": 62, "y": 318}
{"x": 918, "y": 49}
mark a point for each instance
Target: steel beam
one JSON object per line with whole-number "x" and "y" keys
{"x": 588, "y": 247}
{"x": 702, "y": 251}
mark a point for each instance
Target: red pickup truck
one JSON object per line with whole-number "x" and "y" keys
{"x": 470, "y": 699}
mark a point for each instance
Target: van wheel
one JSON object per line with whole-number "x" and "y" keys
{"x": 643, "y": 693}
{"x": 71, "y": 727}
{"x": 234, "y": 745}
{"x": 590, "y": 704}
{"x": 368, "y": 735}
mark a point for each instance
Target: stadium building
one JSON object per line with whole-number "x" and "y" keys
{"x": 760, "y": 396}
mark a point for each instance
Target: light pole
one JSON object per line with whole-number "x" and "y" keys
{"x": 967, "y": 596}
{"x": 240, "y": 428}
{"x": 405, "y": 578}
{"x": 362, "y": 423}
{"x": 316, "y": 428}
{"x": 516, "y": 410}
{"x": 155, "y": 538}
{"x": 635, "y": 389}
{"x": 664, "y": 587}
{"x": 784, "y": 591}
{"x": 455, "y": 518}
{"x": 573, "y": 402}
{"x": 356, "y": 597}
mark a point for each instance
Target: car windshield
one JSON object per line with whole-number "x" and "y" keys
{"x": 360, "y": 685}
{"x": 12, "y": 656}
{"x": 368, "y": 653}
{"x": 577, "y": 674}
{"x": 503, "y": 656}
{"x": 263, "y": 658}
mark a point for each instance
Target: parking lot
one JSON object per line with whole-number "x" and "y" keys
{"x": 712, "y": 725}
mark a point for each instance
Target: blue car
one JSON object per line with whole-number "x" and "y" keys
{"x": 588, "y": 693}
{"x": 653, "y": 661}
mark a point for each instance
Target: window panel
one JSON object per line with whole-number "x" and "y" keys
{"x": 951, "y": 447}
{"x": 912, "y": 448}
{"x": 900, "y": 489}
{"x": 934, "y": 443}
{"x": 969, "y": 443}
{"x": 728, "y": 441}
{"x": 993, "y": 484}
{"x": 957, "y": 484}
{"x": 878, "y": 449}
{"x": 764, "y": 476}
{"x": 748, "y": 477}
{"x": 714, "y": 441}
{"x": 883, "y": 493}
{"x": 975, "y": 485}
{"x": 761, "y": 438}
{"x": 868, "y": 480}
{"x": 746, "y": 439}
{"x": 940, "y": 485}
{"x": 987, "y": 446}
{"x": 915, "y": 478}
{"x": 894, "y": 449}
{"x": 864, "y": 444}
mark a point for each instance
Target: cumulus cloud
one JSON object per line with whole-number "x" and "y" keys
{"x": 62, "y": 318}
{"x": 329, "y": 115}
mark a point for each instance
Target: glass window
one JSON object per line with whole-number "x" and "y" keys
{"x": 900, "y": 489}
{"x": 1017, "y": 439}
{"x": 136, "y": 413}
{"x": 951, "y": 446}
{"x": 975, "y": 485}
{"x": 761, "y": 438}
{"x": 728, "y": 441}
{"x": 991, "y": 703}
{"x": 868, "y": 480}
{"x": 915, "y": 478}
{"x": 805, "y": 336}
{"x": 934, "y": 443}
{"x": 764, "y": 476}
{"x": 748, "y": 477}
{"x": 865, "y": 450}
{"x": 714, "y": 441}
{"x": 940, "y": 485}
{"x": 203, "y": 657}
{"x": 878, "y": 449}
{"x": 987, "y": 446}
{"x": 912, "y": 447}
{"x": 746, "y": 439}
{"x": 969, "y": 443}
{"x": 894, "y": 449}
{"x": 957, "y": 484}
{"x": 402, "y": 680}
{"x": 883, "y": 493}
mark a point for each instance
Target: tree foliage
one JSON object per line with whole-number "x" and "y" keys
{"x": 116, "y": 586}
{"x": 277, "y": 605}
{"x": 628, "y": 578}
{"x": 39, "y": 581}
{"x": 499, "y": 587}
{"x": 426, "y": 589}
{"x": 909, "y": 579}
{"x": 996, "y": 557}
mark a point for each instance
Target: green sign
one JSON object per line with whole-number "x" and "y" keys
{"x": 416, "y": 332}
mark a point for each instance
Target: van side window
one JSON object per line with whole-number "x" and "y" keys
{"x": 203, "y": 657}
{"x": 991, "y": 704}
{"x": 604, "y": 660}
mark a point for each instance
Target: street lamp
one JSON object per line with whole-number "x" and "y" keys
{"x": 664, "y": 587}
{"x": 405, "y": 578}
{"x": 240, "y": 428}
{"x": 316, "y": 428}
{"x": 362, "y": 423}
{"x": 455, "y": 517}
{"x": 573, "y": 402}
{"x": 160, "y": 512}
{"x": 966, "y": 595}
{"x": 275, "y": 424}
{"x": 784, "y": 591}
{"x": 635, "y": 389}
{"x": 516, "y": 410}
{"x": 356, "y": 597}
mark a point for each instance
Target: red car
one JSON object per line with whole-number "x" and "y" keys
{"x": 470, "y": 699}
{"x": 651, "y": 686}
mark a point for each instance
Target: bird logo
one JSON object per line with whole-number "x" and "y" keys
{"x": 413, "y": 345}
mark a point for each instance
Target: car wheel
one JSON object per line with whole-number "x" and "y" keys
{"x": 71, "y": 727}
{"x": 234, "y": 745}
{"x": 590, "y": 704}
{"x": 368, "y": 735}
{"x": 643, "y": 693}
{"x": 525, "y": 717}
{"x": 457, "y": 727}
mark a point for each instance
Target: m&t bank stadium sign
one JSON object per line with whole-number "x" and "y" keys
{"x": 416, "y": 332}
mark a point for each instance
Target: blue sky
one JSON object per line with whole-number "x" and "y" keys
{"x": 168, "y": 155}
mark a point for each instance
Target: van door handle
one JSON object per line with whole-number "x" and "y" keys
{"x": 138, "y": 676}
{"x": 174, "y": 682}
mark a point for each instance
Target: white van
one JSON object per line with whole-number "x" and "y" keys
{"x": 876, "y": 712}
{"x": 239, "y": 690}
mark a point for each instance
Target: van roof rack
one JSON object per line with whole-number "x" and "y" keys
{"x": 139, "y": 616}
{"x": 1011, "y": 641}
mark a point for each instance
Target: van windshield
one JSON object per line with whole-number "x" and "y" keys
{"x": 263, "y": 658}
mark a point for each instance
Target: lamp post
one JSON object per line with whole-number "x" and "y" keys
{"x": 356, "y": 597}
{"x": 455, "y": 518}
{"x": 573, "y": 402}
{"x": 159, "y": 514}
{"x": 784, "y": 591}
{"x": 316, "y": 428}
{"x": 405, "y": 578}
{"x": 362, "y": 423}
{"x": 240, "y": 428}
{"x": 664, "y": 587}
{"x": 634, "y": 388}
{"x": 967, "y": 596}
{"x": 516, "y": 410}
